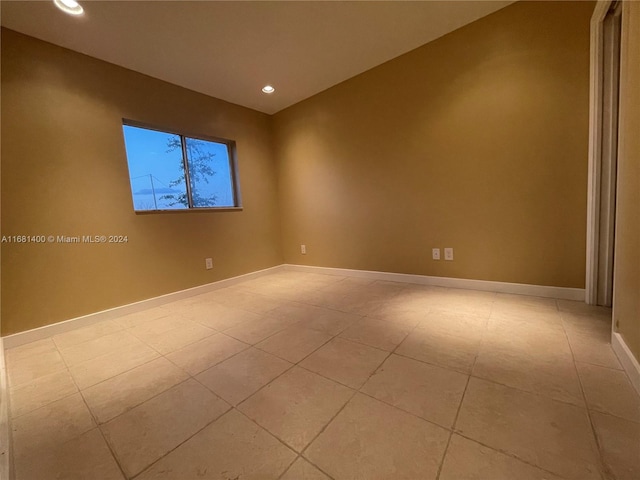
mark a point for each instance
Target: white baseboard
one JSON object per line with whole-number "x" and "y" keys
{"x": 485, "y": 285}
{"x": 48, "y": 331}
{"x": 4, "y": 419}
{"x": 628, "y": 361}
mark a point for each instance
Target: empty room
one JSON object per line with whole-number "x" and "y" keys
{"x": 320, "y": 240}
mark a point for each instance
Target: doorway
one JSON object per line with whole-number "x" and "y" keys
{"x": 603, "y": 150}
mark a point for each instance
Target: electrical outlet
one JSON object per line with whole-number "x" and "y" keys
{"x": 208, "y": 263}
{"x": 435, "y": 253}
{"x": 448, "y": 253}
{"x": 303, "y": 249}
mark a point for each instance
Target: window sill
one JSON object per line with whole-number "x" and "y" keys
{"x": 189, "y": 210}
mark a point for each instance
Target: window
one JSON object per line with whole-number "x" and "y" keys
{"x": 169, "y": 171}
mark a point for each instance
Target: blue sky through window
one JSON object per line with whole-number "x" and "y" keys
{"x": 157, "y": 174}
{"x": 217, "y": 186}
{"x": 153, "y": 166}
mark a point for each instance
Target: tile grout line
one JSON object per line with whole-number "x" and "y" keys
{"x": 415, "y": 415}
{"x": 81, "y": 390}
{"x": 587, "y": 361}
{"x": 60, "y": 348}
{"x": 300, "y": 457}
{"x": 113, "y": 453}
{"x": 508, "y": 454}
{"x": 181, "y": 443}
{"x": 481, "y": 344}
{"x": 161, "y": 355}
{"x": 356, "y": 391}
{"x": 297, "y": 364}
{"x": 443, "y": 367}
{"x": 452, "y": 431}
{"x": 46, "y": 404}
{"x": 231, "y": 407}
{"x": 367, "y": 344}
{"x": 253, "y": 393}
{"x": 310, "y": 461}
{"x": 604, "y": 470}
{"x": 235, "y": 407}
{"x": 127, "y": 371}
{"x": 289, "y": 467}
{"x": 439, "y": 365}
{"x": 536, "y": 394}
{"x": 306, "y": 369}
{"x": 93, "y": 417}
{"x": 464, "y": 393}
{"x": 326, "y": 425}
{"x": 103, "y": 355}
{"x": 543, "y": 395}
{"x": 248, "y": 347}
{"x": 98, "y": 424}
{"x": 138, "y": 404}
{"x": 601, "y": 411}
{"x": 270, "y": 315}
{"x": 293, "y": 365}
{"x": 113, "y": 376}
{"x": 303, "y": 358}
{"x": 148, "y": 344}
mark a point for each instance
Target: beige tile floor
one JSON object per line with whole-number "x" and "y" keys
{"x": 306, "y": 376}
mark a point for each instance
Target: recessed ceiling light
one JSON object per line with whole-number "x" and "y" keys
{"x": 268, "y": 89}
{"x": 69, "y": 6}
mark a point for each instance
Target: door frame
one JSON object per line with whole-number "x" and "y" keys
{"x": 596, "y": 96}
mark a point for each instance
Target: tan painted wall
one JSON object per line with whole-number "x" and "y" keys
{"x": 476, "y": 141}
{"x": 64, "y": 172}
{"x": 626, "y": 300}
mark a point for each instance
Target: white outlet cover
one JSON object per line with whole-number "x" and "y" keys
{"x": 208, "y": 263}
{"x": 303, "y": 249}
{"x": 435, "y": 253}
{"x": 448, "y": 253}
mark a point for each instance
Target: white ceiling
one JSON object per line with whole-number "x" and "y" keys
{"x": 229, "y": 50}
